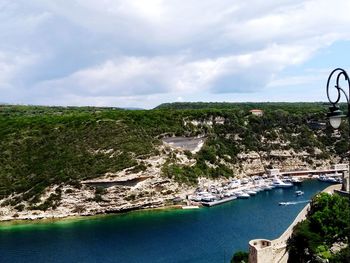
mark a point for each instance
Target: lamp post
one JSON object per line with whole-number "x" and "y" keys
{"x": 335, "y": 114}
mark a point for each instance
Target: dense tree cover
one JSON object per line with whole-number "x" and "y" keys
{"x": 21, "y": 110}
{"x": 327, "y": 223}
{"x": 189, "y": 174}
{"x": 299, "y": 108}
{"x": 42, "y": 146}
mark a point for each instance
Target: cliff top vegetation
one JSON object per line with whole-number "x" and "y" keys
{"x": 43, "y": 146}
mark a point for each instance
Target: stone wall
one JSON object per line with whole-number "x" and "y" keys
{"x": 274, "y": 251}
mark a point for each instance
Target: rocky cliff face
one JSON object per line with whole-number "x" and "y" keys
{"x": 287, "y": 160}
{"x": 111, "y": 193}
{"x": 127, "y": 190}
{"x": 123, "y": 161}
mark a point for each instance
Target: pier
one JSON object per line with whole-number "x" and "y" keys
{"x": 217, "y": 194}
{"x": 336, "y": 168}
{"x": 312, "y": 172}
{"x": 218, "y": 202}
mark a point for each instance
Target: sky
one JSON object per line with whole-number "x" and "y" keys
{"x": 141, "y": 53}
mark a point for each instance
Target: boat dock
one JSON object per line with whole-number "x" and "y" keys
{"x": 334, "y": 169}
{"x": 218, "y": 202}
{"x": 219, "y": 193}
{"x": 311, "y": 172}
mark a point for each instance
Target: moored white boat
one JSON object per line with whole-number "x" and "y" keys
{"x": 244, "y": 181}
{"x": 250, "y": 192}
{"x": 328, "y": 179}
{"x": 219, "y": 201}
{"x": 286, "y": 178}
{"x": 208, "y": 197}
{"x": 339, "y": 180}
{"x": 258, "y": 189}
{"x": 242, "y": 195}
{"x": 195, "y": 198}
{"x": 269, "y": 187}
{"x": 295, "y": 180}
{"x": 227, "y": 194}
{"x": 280, "y": 184}
{"x": 235, "y": 183}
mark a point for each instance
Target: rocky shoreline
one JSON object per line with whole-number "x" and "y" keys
{"x": 126, "y": 191}
{"x": 62, "y": 217}
{"x": 86, "y": 202}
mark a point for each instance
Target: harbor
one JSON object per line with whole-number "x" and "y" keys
{"x": 217, "y": 194}
{"x": 201, "y": 235}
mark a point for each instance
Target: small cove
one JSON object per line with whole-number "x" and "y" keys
{"x": 202, "y": 235}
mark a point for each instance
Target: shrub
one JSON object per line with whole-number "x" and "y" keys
{"x": 240, "y": 257}
{"x": 327, "y": 222}
{"x": 78, "y": 209}
{"x": 100, "y": 190}
{"x": 19, "y": 207}
{"x": 130, "y": 197}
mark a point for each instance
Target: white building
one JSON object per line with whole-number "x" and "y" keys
{"x": 257, "y": 112}
{"x": 273, "y": 172}
{"x": 340, "y": 166}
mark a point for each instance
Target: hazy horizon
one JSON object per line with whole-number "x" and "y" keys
{"x": 139, "y": 108}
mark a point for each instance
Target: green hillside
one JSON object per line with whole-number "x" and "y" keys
{"x": 300, "y": 107}
{"x": 42, "y": 146}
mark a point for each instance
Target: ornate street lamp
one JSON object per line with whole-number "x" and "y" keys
{"x": 335, "y": 114}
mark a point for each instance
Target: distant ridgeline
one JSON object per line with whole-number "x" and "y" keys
{"x": 291, "y": 107}
{"x": 44, "y": 146}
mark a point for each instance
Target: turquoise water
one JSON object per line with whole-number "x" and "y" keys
{"x": 202, "y": 235}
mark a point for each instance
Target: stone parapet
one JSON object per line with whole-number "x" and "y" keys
{"x": 274, "y": 251}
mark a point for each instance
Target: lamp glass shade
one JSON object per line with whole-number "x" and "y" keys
{"x": 335, "y": 121}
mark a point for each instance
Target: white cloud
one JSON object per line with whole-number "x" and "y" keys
{"x": 102, "y": 49}
{"x": 127, "y": 76}
{"x": 297, "y": 80}
{"x": 12, "y": 65}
